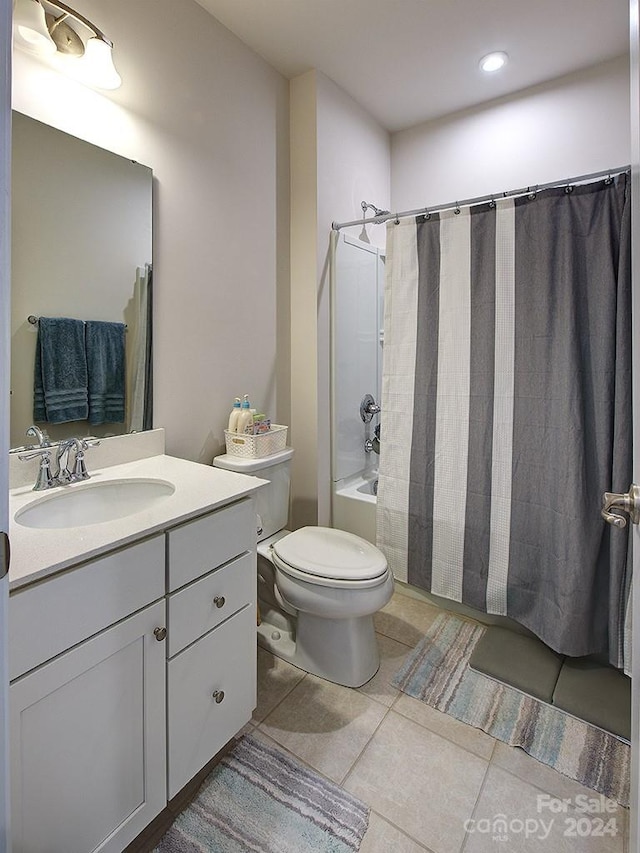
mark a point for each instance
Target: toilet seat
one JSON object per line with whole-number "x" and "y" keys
{"x": 329, "y": 557}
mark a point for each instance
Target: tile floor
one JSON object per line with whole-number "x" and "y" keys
{"x": 433, "y": 783}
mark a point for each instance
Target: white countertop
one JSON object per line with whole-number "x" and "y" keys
{"x": 37, "y": 553}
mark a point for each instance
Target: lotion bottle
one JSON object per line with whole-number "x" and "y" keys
{"x": 235, "y": 414}
{"x": 245, "y": 418}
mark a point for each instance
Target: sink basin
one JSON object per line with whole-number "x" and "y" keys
{"x": 94, "y": 503}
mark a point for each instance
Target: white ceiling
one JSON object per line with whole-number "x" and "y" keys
{"x": 407, "y": 61}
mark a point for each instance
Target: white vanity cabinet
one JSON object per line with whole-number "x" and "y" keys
{"x": 211, "y": 671}
{"x": 129, "y": 673}
{"x": 87, "y": 704}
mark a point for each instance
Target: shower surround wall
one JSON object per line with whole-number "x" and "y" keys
{"x": 357, "y": 289}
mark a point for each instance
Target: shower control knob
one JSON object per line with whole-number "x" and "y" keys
{"x": 218, "y": 696}
{"x": 629, "y": 503}
{"x": 368, "y": 408}
{"x": 219, "y": 601}
{"x": 160, "y": 633}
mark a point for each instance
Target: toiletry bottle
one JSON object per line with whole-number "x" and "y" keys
{"x": 246, "y": 418}
{"x": 235, "y": 414}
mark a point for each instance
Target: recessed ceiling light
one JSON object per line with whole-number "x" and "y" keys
{"x": 493, "y": 61}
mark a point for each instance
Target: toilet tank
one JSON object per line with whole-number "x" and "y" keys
{"x": 272, "y": 501}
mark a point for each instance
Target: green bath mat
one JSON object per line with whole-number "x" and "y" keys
{"x": 437, "y": 672}
{"x": 260, "y": 799}
{"x": 517, "y": 660}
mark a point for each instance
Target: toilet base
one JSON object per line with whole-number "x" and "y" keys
{"x": 344, "y": 651}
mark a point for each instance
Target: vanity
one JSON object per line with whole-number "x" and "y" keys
{"x": 132, "y": 642}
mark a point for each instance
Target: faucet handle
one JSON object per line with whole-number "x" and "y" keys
{"x": 34, "y": 453}
{"x": 44, "y": 480}
{"x": 80, "y": 469}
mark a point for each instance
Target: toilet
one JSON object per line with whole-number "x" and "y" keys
{"x": 318, "y": 588}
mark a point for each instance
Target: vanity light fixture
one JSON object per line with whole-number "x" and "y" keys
{"x": 493, "y": 61}
{"x": 40, "y": 31}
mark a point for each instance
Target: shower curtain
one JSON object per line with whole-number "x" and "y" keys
{"x": 507, "y": 409}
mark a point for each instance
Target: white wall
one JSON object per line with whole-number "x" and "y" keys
{"x": 346, "y": 159}
{"x": 210, "y": 118}
{"x": 574, "y": 125}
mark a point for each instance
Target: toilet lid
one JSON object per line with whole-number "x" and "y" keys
{"x": 329, "y": 553}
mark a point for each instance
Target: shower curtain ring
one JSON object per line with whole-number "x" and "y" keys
{"x": 397, "y": 221}
{"x": 568, "y": 189}
{"x": 608, "y": 180}
{"x": 457, "y": 210}
{"x": 427, "y": 214}
{"x": 492, "y": 203}
{"x": 533, "y": 193}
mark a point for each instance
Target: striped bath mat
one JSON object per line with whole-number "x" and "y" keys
{"x": 437, "y": 672}
{"x": 258, "y": 799}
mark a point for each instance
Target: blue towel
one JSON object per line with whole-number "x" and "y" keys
{"x": 60, "y": 382}
{"x": 106, "y": 368}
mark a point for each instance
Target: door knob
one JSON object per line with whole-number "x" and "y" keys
{"x": 629, "y": 503}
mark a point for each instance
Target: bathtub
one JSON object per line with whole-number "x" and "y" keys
{"x": 354, "y": 505}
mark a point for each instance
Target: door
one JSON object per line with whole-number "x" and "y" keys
{"x": 88, "y": 733}
{"x": 634, "y": 827}
{"x": 5, "y": 268}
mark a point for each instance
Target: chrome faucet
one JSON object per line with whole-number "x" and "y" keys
{"x": 63, "y": 452}
{"x": 64, "y": 474}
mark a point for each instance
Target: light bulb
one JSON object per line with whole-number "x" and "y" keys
{"x": 493, "y": 61}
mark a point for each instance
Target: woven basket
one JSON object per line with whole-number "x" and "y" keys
{"x": 255, "y": 446}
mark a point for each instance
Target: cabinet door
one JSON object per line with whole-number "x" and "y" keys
{"x": 222, "y": 662}
{"x": 88, "y": 759}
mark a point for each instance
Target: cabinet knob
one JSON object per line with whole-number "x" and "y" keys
{"x": 219, "y": 600}
{"x": 218, "y": 695}
{"x": 160, "y": 633}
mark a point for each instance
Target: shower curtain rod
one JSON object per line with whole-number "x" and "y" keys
{"x": 466, "y": 202}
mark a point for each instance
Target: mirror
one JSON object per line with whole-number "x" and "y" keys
{"x": 81, "y": 248}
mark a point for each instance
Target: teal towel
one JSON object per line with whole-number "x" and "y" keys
{"x": 106, "y": 369}
{"x": 60, "y": 381}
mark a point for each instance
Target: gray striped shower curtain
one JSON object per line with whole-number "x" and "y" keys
{"x": 506, "y": 406}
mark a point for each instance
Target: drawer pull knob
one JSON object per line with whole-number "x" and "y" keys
{"x": 218, "y": 695}
{"x": 219, "y": 601}
{"x": 160, "y": 633}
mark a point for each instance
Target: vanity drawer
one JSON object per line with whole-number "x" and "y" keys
{"x": 198, "y": 546}
{"x": 49, "y": 617}
{"x": 224, "y": 660}
{"x": 207, "y": 602}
